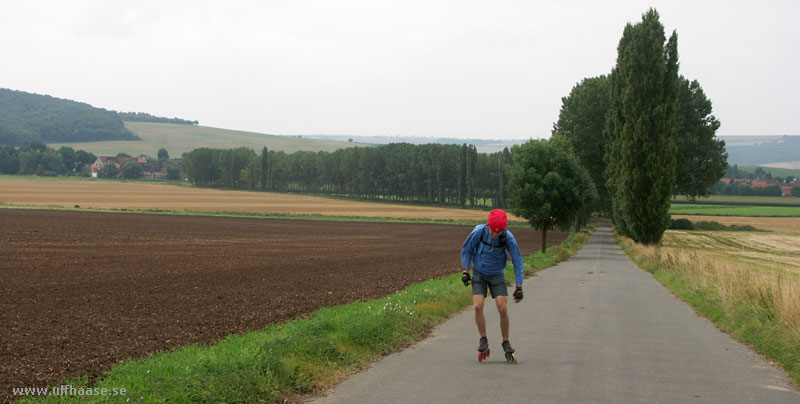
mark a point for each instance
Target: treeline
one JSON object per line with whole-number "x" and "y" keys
{"x": 434, "y": 174}
{"x": 30, "y": 118}
{"x": 145, "y": 117}
{"x": 744, "y": 189}
{"x": 38, "y": 159}
{"x": 758, "y": 174}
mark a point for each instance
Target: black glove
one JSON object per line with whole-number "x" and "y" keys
{"x": 465, "y": 278}
{"x": 518, "y": 294}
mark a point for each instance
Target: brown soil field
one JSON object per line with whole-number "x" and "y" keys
{"x": 132, "y": 195}
{"x": 83, "y": 291}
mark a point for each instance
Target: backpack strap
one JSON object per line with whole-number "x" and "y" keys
{"x": 502, "y": 238}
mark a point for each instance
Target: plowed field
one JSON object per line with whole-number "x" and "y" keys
{"x": 83, "y": 291}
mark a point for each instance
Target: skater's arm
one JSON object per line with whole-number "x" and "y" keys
{"x": 468, "y": 248}
{"x": 516, "y": 258}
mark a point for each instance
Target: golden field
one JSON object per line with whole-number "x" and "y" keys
{"x": 137, "y": 195}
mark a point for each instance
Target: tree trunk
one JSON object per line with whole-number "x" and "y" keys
{"x": 544, "y": 240}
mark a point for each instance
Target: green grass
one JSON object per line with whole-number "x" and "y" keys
{"x": 733, "y": 210}
{"x": 178, "y": 139}
{"x": 741, "y": 200}
{"x": 297, "y": 357}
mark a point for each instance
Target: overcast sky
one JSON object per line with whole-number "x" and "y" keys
{"x": 470, "y": 69}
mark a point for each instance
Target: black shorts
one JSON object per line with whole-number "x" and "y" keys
{"x": 496, "y": 284}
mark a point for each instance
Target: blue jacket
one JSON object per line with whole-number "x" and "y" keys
{"x": 487, "y": 257}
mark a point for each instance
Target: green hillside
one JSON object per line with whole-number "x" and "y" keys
{"x": 776, "y": 172}
{"x": 178, "y": 139}
{"x": 27, "y": 118}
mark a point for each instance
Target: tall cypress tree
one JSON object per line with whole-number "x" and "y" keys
{"x": 642, "y": 124}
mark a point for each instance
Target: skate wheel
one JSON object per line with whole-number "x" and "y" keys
{"x": 483, "y": 355}
{"x": 511, "y": 358}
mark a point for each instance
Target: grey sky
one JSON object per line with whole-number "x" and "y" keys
{"x": 473, "y": 69}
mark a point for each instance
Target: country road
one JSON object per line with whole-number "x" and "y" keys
{"x": 594, "y": 329}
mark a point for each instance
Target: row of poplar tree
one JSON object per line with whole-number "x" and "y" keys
{"x": 434, "y": 174}
{"x": 644, "y": 132}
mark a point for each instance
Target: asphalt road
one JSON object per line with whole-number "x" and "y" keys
{"x": 594, "y": 329}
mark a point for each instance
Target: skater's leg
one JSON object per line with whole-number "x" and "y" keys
{"x": 502, "y": 309}
{"x": 480, "y": 319}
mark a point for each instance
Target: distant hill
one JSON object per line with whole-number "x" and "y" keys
{"x": 762, "y": 151}
{"x": 145, "y": 117}
{"x": 27, "y": 118}
{"x": 178, "y": 139}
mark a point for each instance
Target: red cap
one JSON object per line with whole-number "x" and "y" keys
{"x": 497, "y": 220}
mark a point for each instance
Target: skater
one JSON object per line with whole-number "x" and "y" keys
{"x": 485, "y": 248}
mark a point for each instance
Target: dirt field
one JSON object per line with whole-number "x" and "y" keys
{"x": 83, "y": 291}
{"x": 105, "y": 194}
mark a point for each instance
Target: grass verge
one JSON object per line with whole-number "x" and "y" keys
{"x": 760, "y": 308}
{"x": 306, "y": 355}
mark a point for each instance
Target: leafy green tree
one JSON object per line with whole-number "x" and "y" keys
{"x": 29, "y": 161}
{"x": 796, "y": 191}
{"x": 163, "y": 154}
{"x": 50, "y": 164}
{"x": 701, "y": 158}
{"x": 582, "y": 122}
{"x": 109, "y": 170}
{"x": 200, "y": 166}
{"x": 772, "y": 190}
{"x": 231, "y": 162}
{"x": 69, "y": 158}
{"x": 173, "y": 174}
{"x": 744, "y": 189}
{"x": 547, "y": 186}
{"x": 132, "y": 171}
{"x": 36, "y": 146}
{"x": 642, "y": 124}
{"x": 9, "y": 160}
{"x": 85, "y": 157}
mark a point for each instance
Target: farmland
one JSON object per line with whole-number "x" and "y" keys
{"x": 728, "y": 205}
{"x": 178, "y": 139}
{"x": 734, "y": 210}
{"x": 83, "y": 291}
{"x": 144, "y": 196}
{"x": 741, "y": 200}
{"x": 777, "y": 224}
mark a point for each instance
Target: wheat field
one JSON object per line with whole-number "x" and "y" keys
{"x": 143, "y": 196}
